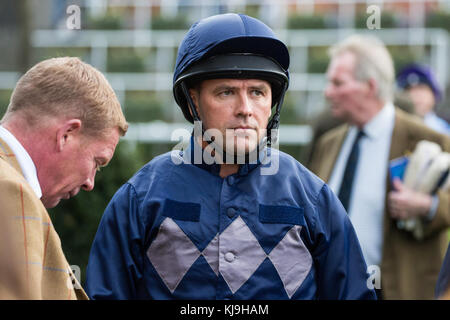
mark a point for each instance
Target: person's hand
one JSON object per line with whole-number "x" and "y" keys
{"x": 405, "y": 203}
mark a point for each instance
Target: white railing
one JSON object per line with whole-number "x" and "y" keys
{"x": 307, "y": 86}
{"x": 99, "y": 40}
{"x": 162, "y": 132}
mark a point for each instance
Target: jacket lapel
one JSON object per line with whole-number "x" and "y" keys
{"x": 7, "y": 155}
{"x": 332, "y": 151}
{"x": 399, "y": 136}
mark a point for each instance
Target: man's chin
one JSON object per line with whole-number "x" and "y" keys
{"x": 337, "y": 114}
{"x": 240, "y": 152}
{"x": 243, "y": 146}
{"x": 241, "y": 155}
{"x": 335, "y": 111}
{"x": 50, "y": 203}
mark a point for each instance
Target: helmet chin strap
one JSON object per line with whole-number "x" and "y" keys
{"x": 273, "y": 124}
{"x": 190, "y": 102}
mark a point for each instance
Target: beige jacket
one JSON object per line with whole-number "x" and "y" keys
{"x": 409, "y": 268}
{"x": 32, "y": 263}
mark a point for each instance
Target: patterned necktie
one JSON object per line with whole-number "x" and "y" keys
{"x": 347, "y": 181}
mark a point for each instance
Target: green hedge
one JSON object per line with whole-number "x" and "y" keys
{"x": 288, "y": 114}
{"x": 387, "y": 20}
{"x": 170, "y": 23}
{"x": 143, "y": 107}
{"x": 5, "y": 95}
{"x": 47, "y": 53}
{"x": 125, "y": 60}
{"x": 107, "y": 22}
{"x": 402, "y": 56}
{"x": 252, "y": 10}
{"x": 439, "y": 19}
{"x": 318, "y": 59}
{"x": 296, "y": 21}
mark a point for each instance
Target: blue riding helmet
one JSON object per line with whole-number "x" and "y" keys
{"x": 230, "y": 46}
{"x": 415, "y": 74}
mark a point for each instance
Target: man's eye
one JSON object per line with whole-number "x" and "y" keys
{"x": 258, "y": 92}
{"x": 226, "y": 92}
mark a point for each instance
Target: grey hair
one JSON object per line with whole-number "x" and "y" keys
{"x": 373, "y": 61}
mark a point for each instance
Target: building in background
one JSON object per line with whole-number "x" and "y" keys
{"x": 135, "y": 42}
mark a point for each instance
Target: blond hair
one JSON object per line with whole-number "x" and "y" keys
{"x": 373, "y": 61}
{"x": 68, "y": 87}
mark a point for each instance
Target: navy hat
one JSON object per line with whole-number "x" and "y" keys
{"x": 414, "y": 74}
{"x": 230, "y": 45}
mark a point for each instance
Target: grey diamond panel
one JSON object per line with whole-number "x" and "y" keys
{"x": 292, "y": 260}
{"x": 172, "y": 253}
{"x": 211, "y": 254}
{"x": 235, "y": 253}
{"x": 240, "y": 254}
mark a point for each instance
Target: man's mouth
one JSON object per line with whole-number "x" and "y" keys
{"x": 244, "y": 131}
{"x": 73, "y": 193}
{"x": 70, "y": 194}
{"x": 243, "y": 128}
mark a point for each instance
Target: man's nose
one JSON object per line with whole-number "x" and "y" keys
{"x": 328, "y": 91}
{"x": 88, "y": 185}
{"x": 245, "y": 107}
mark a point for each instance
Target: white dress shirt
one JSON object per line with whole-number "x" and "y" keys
{"x": 436, "y": 123}
{"x": 24, "y": 159}
{"x": 367, "y": 200}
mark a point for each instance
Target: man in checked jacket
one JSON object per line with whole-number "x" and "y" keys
{"x": 63, "y": 123}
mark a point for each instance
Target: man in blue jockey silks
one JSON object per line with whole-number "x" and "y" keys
{"x": 229, "y": 217}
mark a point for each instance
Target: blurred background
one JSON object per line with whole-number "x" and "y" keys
{"x": 135, "y": 44}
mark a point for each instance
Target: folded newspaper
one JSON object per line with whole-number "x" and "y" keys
{"x": 426, "y": 170}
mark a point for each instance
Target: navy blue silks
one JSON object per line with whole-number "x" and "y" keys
{"x": 180, "y": 231}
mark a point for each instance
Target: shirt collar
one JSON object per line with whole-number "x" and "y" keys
{"x": 377, "y": 125}
{"x": 23, "y": 158}
{"x": 430, "y": 116}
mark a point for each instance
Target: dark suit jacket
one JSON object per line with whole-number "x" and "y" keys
{"x": 409, "y": 267}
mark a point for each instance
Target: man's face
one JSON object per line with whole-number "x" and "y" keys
{"x": 74, "y": 168}
{"x": 423, "y": 99}
{"x": 238, "y": 108}
{"x": 345, "y": 94}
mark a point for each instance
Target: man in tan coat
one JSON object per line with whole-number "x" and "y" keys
{"x": 354, "y": 160}
{"x": 63, "y": 123}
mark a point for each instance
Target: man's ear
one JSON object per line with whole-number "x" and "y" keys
{"x": 66, "y": 132}
{"x": 372, "y": 87}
